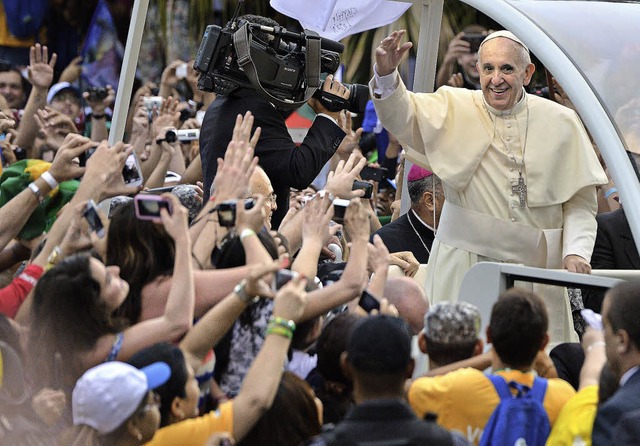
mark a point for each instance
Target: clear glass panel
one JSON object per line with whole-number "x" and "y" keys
{"x": 603, "y": 41}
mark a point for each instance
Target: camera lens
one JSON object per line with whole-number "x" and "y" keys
{"x": 171, "y": 136}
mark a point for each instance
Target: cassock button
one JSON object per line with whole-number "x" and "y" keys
{"x": 508, "y": 138}
{"x": 513, "y": 219}
{"x": 511, "y": 169}
{"x": 513, "y": 205}
{"x": 508, "y": 126}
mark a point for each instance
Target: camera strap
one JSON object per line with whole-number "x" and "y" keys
{"x": 242, "y": 43}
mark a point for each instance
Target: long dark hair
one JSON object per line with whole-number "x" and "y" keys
{"x": 68, "y": 316}
{"x": 143, "y": 250}
{"x": 291, "y": 419}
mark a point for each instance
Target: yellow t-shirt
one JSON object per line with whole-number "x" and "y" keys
{"x": 574, "y": 425}
{"x": 196, "y": 431}
{"x": 465, "y": 399}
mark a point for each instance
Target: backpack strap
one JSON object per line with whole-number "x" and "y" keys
{"x": 539, "y": 389}
{"x": 501, "y": 386}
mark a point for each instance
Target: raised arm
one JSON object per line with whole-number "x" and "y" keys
{"x": 263, "y": 378}
{"x": 317, "y": 214}
{"x": 354, "y": 277}
{"x": 218, "y": 320}
{"x": 40, "y": 73}
{"x": 178, "y": 312}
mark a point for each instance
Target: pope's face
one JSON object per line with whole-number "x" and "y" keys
{"x": 503, "y": 72}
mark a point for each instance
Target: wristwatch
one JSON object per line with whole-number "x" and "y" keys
{"x": 241, "y": 291}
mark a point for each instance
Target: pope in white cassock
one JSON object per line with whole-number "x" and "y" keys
{"x": 519, "y": 171}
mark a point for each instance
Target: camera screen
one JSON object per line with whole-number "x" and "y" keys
{"x": 151, "y": 208}
{"x": 130, "y": 171}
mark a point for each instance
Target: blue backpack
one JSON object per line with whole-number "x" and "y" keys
{"x": 25, "y": 17}
{"x": 520, "y": 419}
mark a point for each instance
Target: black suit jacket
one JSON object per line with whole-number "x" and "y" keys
{"x": 286, "y": 164}
{"x": 614, "y": 249}
{"x": 400, "y": 236}
{"x": 625, "y": 400}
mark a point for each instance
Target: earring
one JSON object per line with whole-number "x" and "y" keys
{"x": 139, "y": 436}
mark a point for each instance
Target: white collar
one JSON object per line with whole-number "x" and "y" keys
{"x": 420, "y": 220}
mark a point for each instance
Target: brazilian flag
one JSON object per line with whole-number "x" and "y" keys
{"x": 16, "y": 178}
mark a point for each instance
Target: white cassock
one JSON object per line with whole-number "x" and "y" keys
{"x": 478, "y": 153}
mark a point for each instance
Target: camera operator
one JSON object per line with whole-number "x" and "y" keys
{"x": 286, "y": 165}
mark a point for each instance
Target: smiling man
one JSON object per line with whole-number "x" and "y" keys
{"x": 519, "y": 172}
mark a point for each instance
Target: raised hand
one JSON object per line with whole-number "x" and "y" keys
{"x": 64, "y": 167}
{"x": 356, "y": 220}
{"x": 175, "y": 223}
{"x": 40, "y": 69}
{"x": 250, "y": 218}
{"x": 72, "y": 72}
{"x": 234, "y": 172}
{"x": 352, "y": 138}
{"x": 340, "y": 181}
{"x": 290, "y": 300}
{"x": 317, "y": 214}
{"x": 389, "y": 53}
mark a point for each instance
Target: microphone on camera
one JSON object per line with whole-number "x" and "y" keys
{"x": 325, "y": 44}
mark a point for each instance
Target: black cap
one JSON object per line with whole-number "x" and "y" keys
{"x": 380, "y": 344}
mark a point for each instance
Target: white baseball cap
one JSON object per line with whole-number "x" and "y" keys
{"x": 109, "y": 393}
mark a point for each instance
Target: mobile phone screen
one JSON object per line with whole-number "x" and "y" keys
{"x": 131, "y": 172}
{"x": 151, "y": 208}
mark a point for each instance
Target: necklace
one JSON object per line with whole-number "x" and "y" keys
{"x": 521, "y": 187}
{"x": 417, "y": 233}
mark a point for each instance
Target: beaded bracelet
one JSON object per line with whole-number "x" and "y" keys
{"x": 283, "y": 323}
{"x": 279, "y": 330}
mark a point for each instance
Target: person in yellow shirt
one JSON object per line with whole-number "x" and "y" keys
{"x": 464, "y": 399}
{"x": 179, "y": 420}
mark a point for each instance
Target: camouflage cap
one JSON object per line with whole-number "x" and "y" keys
{"x": 452, "y": 323}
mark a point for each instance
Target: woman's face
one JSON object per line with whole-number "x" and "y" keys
{"x": 113, "y": 289}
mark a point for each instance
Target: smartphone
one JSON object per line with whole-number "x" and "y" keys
{"x": 93, "y": 218}
{"x": 339, "y": 209}
{"x": 57, "y": 371}
{"x": 158, "y": 190}
{"x": 227, "y": 211}
{"x": 376, "y": 174}
{"x": 131, "y": 172}
{"x": 368, "y": 302}
{"x": 147, "y": 206}
{"x": 367, "y": 187}
{"x": 181, "y": 71}
{"x": 474, "y": 41}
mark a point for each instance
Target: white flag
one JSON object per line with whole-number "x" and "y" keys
{"x": 337, "y": 19}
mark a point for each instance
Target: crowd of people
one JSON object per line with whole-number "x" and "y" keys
{"x": 220, "y": 296}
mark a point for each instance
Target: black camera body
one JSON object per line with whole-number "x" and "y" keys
{"x": 285, "y": 69}
{"x": 227, "y": 211}
{"x": 97, "y": 93}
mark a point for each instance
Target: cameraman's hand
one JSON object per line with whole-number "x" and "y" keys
{"x": 334, "y": 87}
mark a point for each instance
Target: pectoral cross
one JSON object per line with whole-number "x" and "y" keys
{"x": 521, "y": 190}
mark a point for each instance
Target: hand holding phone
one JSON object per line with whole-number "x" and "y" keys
{"x": 132, "y": 172}
{"x": 368, "y": 302}
{"x": 365, "y": 186}
{"x": 147, "y": 207}
{"x": 376, "y": 174}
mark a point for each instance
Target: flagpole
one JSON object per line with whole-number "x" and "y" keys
{"x": 128, "y": 71}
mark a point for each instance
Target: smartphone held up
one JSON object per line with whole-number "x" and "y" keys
{"x": 148, "y": 206}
